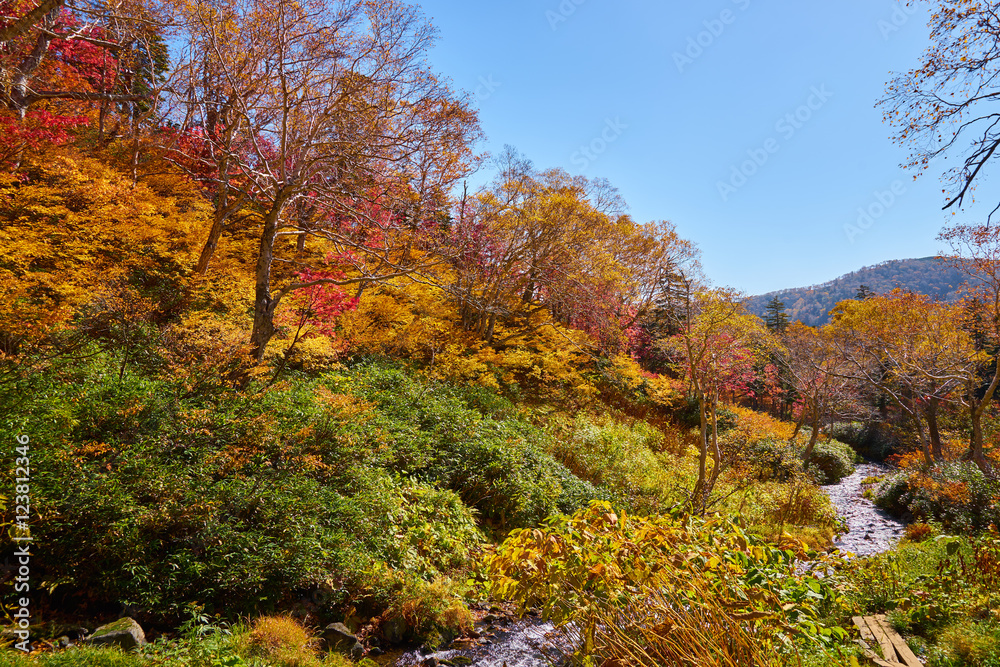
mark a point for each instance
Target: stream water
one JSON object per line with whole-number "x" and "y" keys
{"x": 532, "y": 643}
{"x": 871, "y": 530}
{"x": 525, "y": 643}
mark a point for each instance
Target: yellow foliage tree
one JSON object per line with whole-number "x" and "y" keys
{"x": 73, "y": 226}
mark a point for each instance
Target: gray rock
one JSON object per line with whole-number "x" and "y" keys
{"x": 124, "y": 632}
{"x": 394, "y": 630}
{"x": 338, "y": 638}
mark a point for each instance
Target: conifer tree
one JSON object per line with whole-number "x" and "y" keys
{"x": 775, "y": 317}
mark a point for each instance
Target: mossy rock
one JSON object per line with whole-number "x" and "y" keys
{"x": 125, "y": 633}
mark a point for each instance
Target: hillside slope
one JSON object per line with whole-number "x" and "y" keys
{"x": 812, "y": 305}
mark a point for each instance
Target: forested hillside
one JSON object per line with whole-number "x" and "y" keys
{"x": 812, "y": 305}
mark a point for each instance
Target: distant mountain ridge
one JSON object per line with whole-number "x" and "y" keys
{"x": 812, "y": 305}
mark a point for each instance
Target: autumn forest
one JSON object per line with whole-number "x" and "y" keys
{"x": 295, "y": 372}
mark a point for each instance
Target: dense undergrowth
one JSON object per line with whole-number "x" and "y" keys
{"x": 368, "y": 490}
{"x": 941, "y": 591}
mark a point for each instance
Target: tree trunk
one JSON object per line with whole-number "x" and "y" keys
{"x": 933, "y": 430}
{"x": 225, "y": 204}
{"x": 799, "y": 423}
{"x": 208, "y": 250}
{"x": 813, "y": 438}
{"x": 925, "y": 444}
{"x": 699, "y": 487}
{"x": 976, "y": 452}
{"x": 716, "y": 452}
{"x": 264, "y": 304}
{"x": 20, "y": 90}
{"x": 978, "y": 409}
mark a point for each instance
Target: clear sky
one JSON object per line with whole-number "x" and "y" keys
{"x": 667, "y": 98}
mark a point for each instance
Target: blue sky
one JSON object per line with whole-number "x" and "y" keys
{"x": 666, "y": 99}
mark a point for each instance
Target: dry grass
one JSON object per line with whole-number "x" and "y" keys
{"x": 283, "y": 641}
{"x": 918, "y": 532}
{"x": 665, "y": 630}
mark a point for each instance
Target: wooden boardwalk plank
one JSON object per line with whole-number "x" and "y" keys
{"x": 899, "y": 643}
{"x": 866, "y": 632}
{"x": 888, "y": 650}
{"x": 870, "y": 655}
{"x": 868, "y": 640}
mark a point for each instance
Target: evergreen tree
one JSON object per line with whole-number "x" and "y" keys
{"x": 775, "y": 316}
{"x": 864, "y": 292}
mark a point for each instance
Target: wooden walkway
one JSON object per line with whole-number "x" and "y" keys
{"x": 876, "y": 632}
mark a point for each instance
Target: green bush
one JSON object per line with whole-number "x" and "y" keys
{"x": 248, "y": 502}
{"x": 831, "y": 461}
{"x": 771, "y": 460}
{"x": 494, "y": 465}
{"x": 688, "y": 416}
{"x": 892, "y": 494}
{"x": 623, "y": 459}
{"x": 955, "y": 494}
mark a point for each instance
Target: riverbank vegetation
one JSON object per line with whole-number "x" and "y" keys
{"x": 271, "y": 366}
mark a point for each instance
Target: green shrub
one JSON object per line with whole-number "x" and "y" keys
{"x": 771, "y": 460}
{"x": 688, "y": 416}
{"x": 247, "y": 502}
{"x": 494, "y": 465}
{"x": 955, "y": 494}
{"x": 623, "y": 459}
{"x": 831, "y": 461}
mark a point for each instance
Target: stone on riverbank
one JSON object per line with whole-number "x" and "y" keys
{"x": 125, "y": 633}
{"x": 338, "y": 638}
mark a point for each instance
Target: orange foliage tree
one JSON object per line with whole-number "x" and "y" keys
{"x": 817, "y": 371}
{"x": 349, "y": 139}
{"x": 911, "y": 348}
{"x": 538, "y": 249}
{"x": 76, "y": 231}
{"x": 977, "y": 253}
